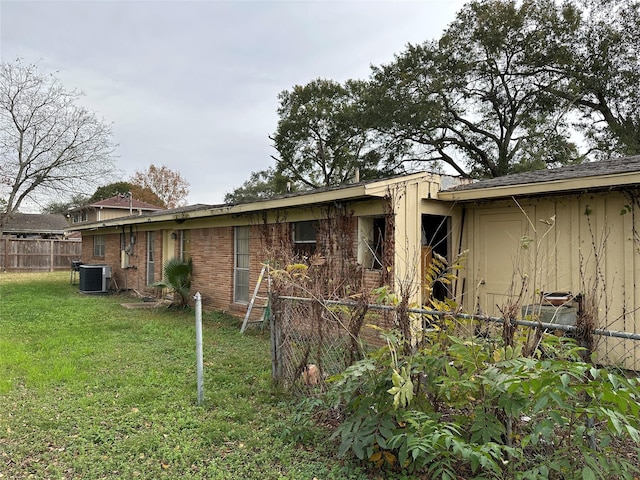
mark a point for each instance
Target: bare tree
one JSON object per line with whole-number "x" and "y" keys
{"x": 48, "y": 144}
{"x": 168, "y": 185}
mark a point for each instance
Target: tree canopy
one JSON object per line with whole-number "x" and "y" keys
{"x": 261, "y": 185}
{"x": 166, "y": 184}
{"x": 510, "y": 86}
{"x": 122, "y": 188}
{"x": 63, "y": 207}
{"x": 49, "y": 145}
{"x": 478, "y": 99}
{"x": 601, "y": 76}
{"x": 322, "y": 138}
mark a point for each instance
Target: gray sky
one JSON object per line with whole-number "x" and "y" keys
{"x": 193, "y": 85}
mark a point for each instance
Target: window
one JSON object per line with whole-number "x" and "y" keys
{"x": 185, "y": 245}
{"x": 80, "y": 216}
{"x": 371, "y": 235}
{"x": 304, "y": 238}
{"x": 241, "y": 265}
{"x": 98, "y": 246}
{"x": 151, "y": 256}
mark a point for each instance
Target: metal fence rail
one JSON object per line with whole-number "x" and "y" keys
{"x": 312, "y": 338}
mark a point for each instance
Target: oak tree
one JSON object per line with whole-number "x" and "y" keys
{"x": 602, "y": 75}
{"x": 63, "y": 207}
{"x": 261, "y": 185}
{"x": 478, "y": 99}
{"x": 322, "y": 139}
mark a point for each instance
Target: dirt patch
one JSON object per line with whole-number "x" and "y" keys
{"x": 133, "y": 305}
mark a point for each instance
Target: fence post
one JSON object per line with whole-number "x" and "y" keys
{"x": 6, "y": 254}
{"x": 273, "y": 330}
{"x": 199, "y": 364}
{"x": 51, "y": 265}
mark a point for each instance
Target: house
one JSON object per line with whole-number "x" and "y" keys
{"x": 229, "y": 243}
{"x": 112, "y": 207}
{"x": 35, "y": 225}
{"x": 573, "y": 230}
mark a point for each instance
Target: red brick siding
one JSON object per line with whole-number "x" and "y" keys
{"x": 212, "y": 252}
{"x": 134, "y": 277}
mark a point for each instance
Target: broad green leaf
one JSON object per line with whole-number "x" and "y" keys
{"x": 588, "y": 474}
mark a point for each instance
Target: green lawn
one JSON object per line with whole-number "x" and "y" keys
{"x": 89, "y": 389}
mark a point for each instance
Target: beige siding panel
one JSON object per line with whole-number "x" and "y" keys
{"x": 502, "y": 259}
{"x": 407, "y": 237}
{"x": 618, "y": 286}
{"x": 634, "y": 235}
{"x": 592, "y": 249}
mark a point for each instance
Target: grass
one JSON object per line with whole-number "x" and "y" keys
{"x": 90, "y": 390}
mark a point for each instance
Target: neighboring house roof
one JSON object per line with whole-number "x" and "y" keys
{"x": 120, "y": 202}
{"x": 609, "y": 173}
{"x": 35, "y": 223}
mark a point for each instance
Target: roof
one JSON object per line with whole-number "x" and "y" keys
{"x": 615, "y": 172}
{"x": 36, "y": 223}
{"x": 120, "y": 202}
{"x": 349, "y": 192}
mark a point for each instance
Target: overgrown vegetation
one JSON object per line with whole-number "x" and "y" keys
{"x": 89, "y": 389}
{"x": 459, "y": 401}
{"x": 467, "y": 398}
{"x": 470, "y": 406}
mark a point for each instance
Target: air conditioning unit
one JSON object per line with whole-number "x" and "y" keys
{"x": 95, "y": 278}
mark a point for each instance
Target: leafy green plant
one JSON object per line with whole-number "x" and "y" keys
{"x": 485, "y": 409}
{"x": 461, "y": 403}
{"x": 177, "y": 278}
{"x": 299, "y": 426}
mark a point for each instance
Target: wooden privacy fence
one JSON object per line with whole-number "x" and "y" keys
{"x": 38, "y": 255}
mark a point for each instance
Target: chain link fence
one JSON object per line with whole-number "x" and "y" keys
{"x": 313, "y": 339}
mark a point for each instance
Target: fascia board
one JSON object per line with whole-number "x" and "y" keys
{"x": 301, "y": 201}
{"x": 552, "y": 186}
{"x": 381, "y": 188}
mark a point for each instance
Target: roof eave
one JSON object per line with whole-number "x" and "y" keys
{"x": 349, "y": 193}
{"x": 542, "y": 188}
{"x": 375, "y": 189}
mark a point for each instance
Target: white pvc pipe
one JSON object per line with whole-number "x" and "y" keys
{"x": 199, "y": 364}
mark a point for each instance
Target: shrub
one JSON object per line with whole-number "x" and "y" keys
{"x": 177, "y": 278}
{"x": 474, "y": 406}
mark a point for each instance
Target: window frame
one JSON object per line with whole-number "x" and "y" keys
{"x": 99, "y": 246}
{"x": 151, "y": 257}
{"x": 304, "y": 247}
{"x": 185, "y": 245}
{"x": 241, "y": 239}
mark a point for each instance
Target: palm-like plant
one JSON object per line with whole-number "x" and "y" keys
{"x": 177, "y": 278}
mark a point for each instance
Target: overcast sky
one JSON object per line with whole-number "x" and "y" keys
{"x": 193, "y": 85}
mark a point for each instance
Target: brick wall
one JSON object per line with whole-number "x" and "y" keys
{"x": 134, "y": 277}
{"x": 212, "y": 254}
{"x": 212, "y": 251}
